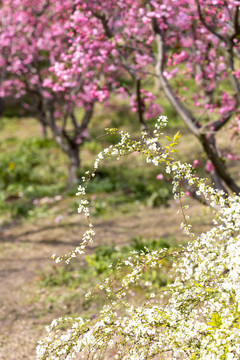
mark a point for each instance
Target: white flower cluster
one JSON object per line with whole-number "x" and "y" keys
{"x": 197, "y": 317}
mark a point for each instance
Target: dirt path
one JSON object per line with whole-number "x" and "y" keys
{"x": 24, "y": 251}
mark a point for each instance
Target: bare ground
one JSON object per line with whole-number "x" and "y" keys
{"x": 25, "y": 250}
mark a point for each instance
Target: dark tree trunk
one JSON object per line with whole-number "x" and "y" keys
{"x": 74, "y": 165}
{"x": 208, "y": 145}
{"x": 67, "y": 140}
{"x": 1, "y": 106}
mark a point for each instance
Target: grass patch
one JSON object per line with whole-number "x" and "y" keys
{"x": 27, "y": 172}
{"x": 96, "y": 266}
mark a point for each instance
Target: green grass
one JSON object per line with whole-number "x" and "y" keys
{"x": 28, "y": 171}
{"x": 63, "y": 287}
{"x": 33, "y": 168}
{"x": 69, "y": 283}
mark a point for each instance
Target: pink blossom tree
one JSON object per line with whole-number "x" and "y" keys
{"x": 33, "y": 39}
{"x": 72, "y": 53}
{"x": 98, "y": 42}
{"x": 57, "y": 59}
{"x": 167, "y": 40}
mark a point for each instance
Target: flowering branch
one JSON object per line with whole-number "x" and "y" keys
{"x": 197, "y": 317}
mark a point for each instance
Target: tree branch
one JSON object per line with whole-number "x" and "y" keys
{"x": 74, "y": 120}
{"x": 207, "y": 26}
{"x": 211, "y": 151}
{"x": 218, "y": 124}
{"x": 140, "y": 106}
{"x": 86, "y": 118}
{"x": 236, "y": 22}
{"x": 183, "y": 112}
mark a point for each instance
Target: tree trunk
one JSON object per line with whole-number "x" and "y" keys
{"x": 211, "y": 151}
{"x": 74, "y": 165}
{"x": 1, "y": 107}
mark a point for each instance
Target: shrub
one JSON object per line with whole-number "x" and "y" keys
{"x": 196, "y": 317}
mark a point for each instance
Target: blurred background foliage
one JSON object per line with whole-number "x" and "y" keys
{"x": 33, "y": 170}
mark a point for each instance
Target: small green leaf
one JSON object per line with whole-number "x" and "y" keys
{"x": 216, "y": 321}
{"x": 168, "y": 138}
{"x": 176, "y": 136}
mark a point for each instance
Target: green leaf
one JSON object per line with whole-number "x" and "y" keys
{"x": 168, "y": 138}
{"x": 176, "y": 136}
{"x": 216, "y": 321}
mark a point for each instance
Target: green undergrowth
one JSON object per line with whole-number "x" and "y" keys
{"x": 97, "y": 264}
{"x": 32, "y": 176}
{"x": 124, "y": 186}
{"x": 28, "y": 172}
{"x": 68, "y": 283}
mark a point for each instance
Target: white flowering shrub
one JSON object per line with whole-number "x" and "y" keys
{"x": 195, "y": 317}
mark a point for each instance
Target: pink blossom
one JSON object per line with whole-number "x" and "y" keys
{"x": 230, "y": 156}
{"x": 160, "y": 177}
{"x": 237, "y": 74}
{"x": 209, "y": 167}
{"x": 195, "y": 163}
